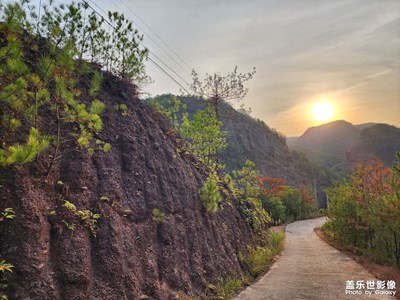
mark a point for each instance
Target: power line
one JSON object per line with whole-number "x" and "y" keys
{"x": 152, "y": 52}
{"x": 166, "y": 73}
{"x": 155, "y": 42}
{"x": 149, "y": 58}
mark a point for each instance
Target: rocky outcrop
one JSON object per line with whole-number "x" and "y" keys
{"x": 250, "y": 139}
{"x": 130, "y": 255}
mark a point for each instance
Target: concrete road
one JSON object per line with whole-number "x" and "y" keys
{"x": 309, "y": 269}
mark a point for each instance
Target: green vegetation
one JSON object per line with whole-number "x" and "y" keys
{"x": 5, "y": 267}
{"x": 44, "y": 107}
{"x": 282, "y": 203}
{"x": 201, "y": 135}
{"x": 364, "y": 211}
{"x": 36, "y": 82}
{"x": 86, "y": 217}
{"x": 257, "y": 260}
{"x": 260, "y": 257}
{"x": 204, "y": 138}
{"x": 158, "y": 215}
{"x": 210, "y": 195}
{"x": 226, "y": 288}
{"x": 243, "y": 185}
{"x": 8, "y": 213}
{"x": 123, "y": 108}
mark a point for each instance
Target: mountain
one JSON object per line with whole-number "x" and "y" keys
{"x": 380, "y": 140}
{"x": 333, "y": 138}
{"x": 133, "y": 254}
{"x": 339, "y": 145}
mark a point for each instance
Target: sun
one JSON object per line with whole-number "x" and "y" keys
{"x": 323, "y": 111}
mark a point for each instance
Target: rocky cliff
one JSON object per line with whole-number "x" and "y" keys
{"x": 131, "y": 252}
{"x": 251, "y": 139}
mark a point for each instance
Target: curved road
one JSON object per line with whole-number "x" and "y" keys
{"x": 309, "y": 269}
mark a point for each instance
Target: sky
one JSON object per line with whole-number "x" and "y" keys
{"x": 346, "y": 52}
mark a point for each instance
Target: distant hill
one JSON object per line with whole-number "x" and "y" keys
{"x": 334, "y": 138}
{"x": 380, "y": 140}
{"x": 364, "y": 125}
{"x": 339, "y": 145}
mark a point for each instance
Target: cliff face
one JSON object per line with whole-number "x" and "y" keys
{"x": 250, "y": 139}
{"x": 131, "y": 255}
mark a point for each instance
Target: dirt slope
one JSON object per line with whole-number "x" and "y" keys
{"x": 132, "y": 255}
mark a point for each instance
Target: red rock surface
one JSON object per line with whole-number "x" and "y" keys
{"x": 132, "y": 255}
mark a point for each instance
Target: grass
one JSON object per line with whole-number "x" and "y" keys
{"x": 226, "y": 288}
{"x": 259, "y": 258}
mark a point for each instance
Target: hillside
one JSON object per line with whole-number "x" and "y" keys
{"x": 339, "y": 145}
{"x": 252, "y": 139}
{"x": 380, "y": 140}
{"x": 332, "y": 138}
{"x": 131, "y": 255}
{"x": 248, "y": 139}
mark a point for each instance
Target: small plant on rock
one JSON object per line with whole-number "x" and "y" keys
{"x": 210, "y": 195}
{"x": 87, "y": 217}
{"x": 8, "y": 213}
{"x": 158, "y": 215}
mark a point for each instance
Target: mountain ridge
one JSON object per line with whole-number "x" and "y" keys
{"x": 340, "y": 145}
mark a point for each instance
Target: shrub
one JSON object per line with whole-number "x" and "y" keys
{"x": 275, "y": 241}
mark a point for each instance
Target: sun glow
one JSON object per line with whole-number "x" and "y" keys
{"x": 323, "y": 111}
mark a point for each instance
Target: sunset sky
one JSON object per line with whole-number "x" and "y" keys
{"x": 346, "y": 53}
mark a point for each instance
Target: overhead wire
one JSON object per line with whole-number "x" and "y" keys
{"x": 162, "y": 41}
{"x": 149, "y": 58}
{"x": 152, "y": 52}
{"x": 157, "y": 44}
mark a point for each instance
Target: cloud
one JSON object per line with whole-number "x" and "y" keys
{"x": 302, "y": 49}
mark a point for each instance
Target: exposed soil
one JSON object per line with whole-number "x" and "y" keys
{"x": 132, "y": 256}
{"x": 382, "y": 272}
